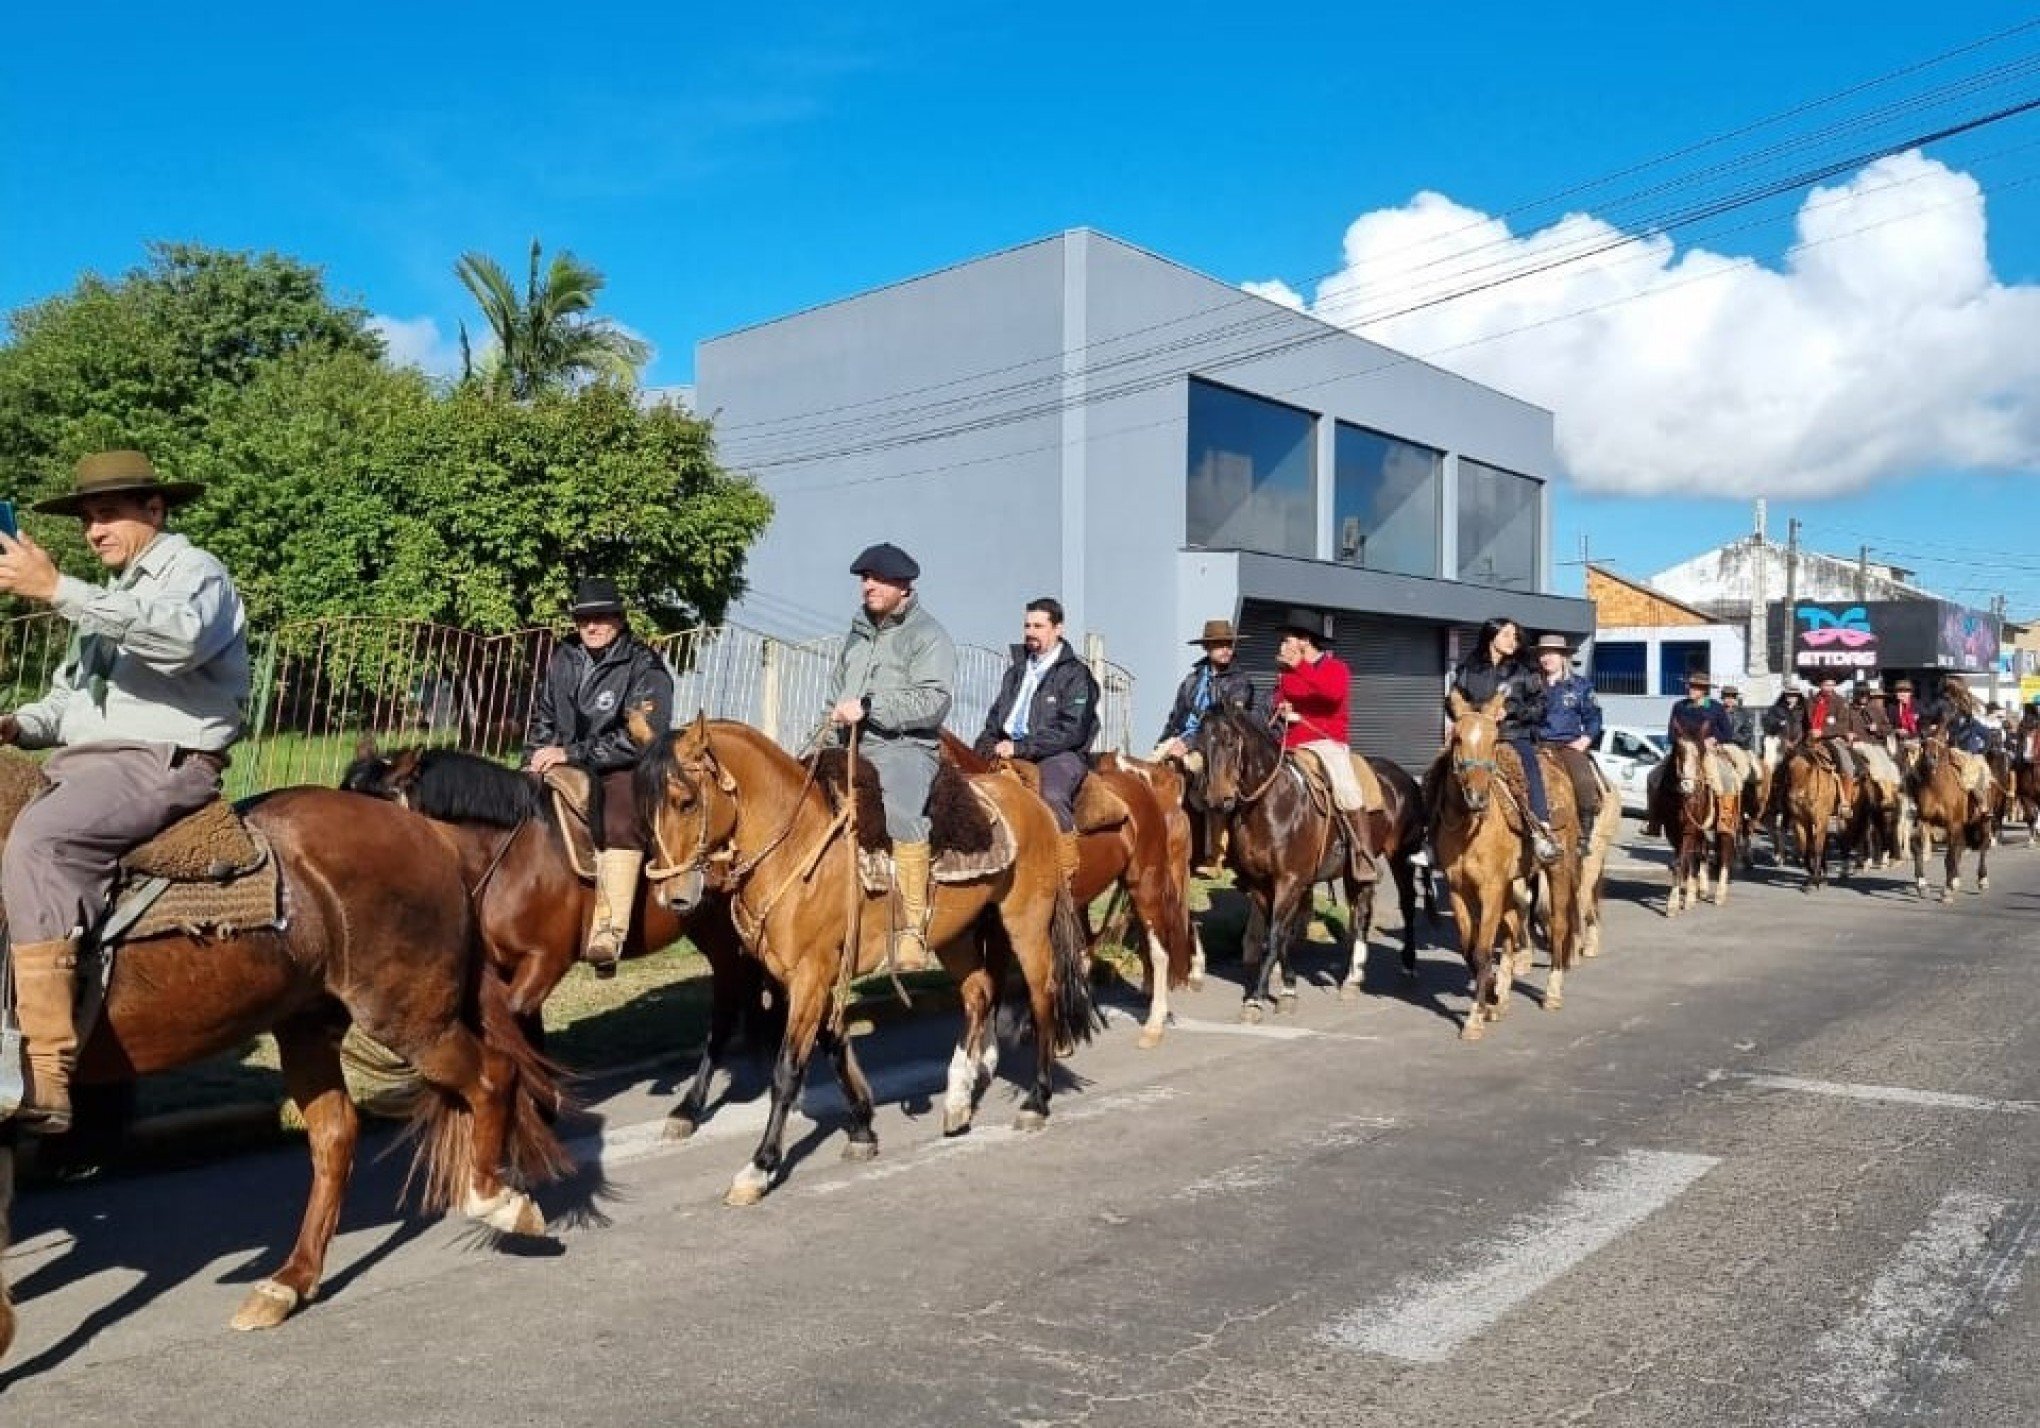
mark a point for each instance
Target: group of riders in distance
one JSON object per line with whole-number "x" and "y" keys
{"x": 437, "y": 913}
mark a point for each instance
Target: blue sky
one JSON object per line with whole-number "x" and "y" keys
{"x": 730, "y": 165}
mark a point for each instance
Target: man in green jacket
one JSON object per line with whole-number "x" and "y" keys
{"x": 894, "y": 679}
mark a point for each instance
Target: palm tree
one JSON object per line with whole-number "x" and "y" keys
{"x": 547, "y": 340}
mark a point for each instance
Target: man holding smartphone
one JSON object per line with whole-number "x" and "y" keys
{"x": 151, "y": 693}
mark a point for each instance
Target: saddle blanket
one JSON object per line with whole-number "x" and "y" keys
{"x": 1319, "y": 777}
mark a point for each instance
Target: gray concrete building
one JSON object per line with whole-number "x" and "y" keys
{"x": 1080, "y": 418}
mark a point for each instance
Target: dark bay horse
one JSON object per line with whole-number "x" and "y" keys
{"x": 534, "y": 907}
{"x": 720, "y": 794}
{"x": 379, "y": 934}
{"x": 1283, "y": 840}
{"x": 1145, "y": 856}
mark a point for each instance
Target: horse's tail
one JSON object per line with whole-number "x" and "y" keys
{"x": 442, "y": 1123}
{"x": 1076, "y": 1016}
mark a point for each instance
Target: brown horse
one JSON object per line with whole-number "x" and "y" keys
{"x": 1171, "y": 793}
{"x": 1484, "y": 843}
{"x": 1703, "y": 816}
{"x": 378, "y": 934}
{"x": 1934, "y": 784}
{"x": 720, "y": 791}
{"x": 1283, "y": 839}
{"x": 534, "y": 907}
{"x": 1142, "y": 855}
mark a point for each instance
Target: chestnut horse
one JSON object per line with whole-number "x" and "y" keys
{"x": 1934, "y": 784}
{"x": 1282, "y": 840}
{"x": 720, "y": 792}
{"x": 380, "y": 935}
{"x": 1702, "y": 816}
{"x": 534, "y": 907}
{"x": 1812, "y": 798}
{"x": 1145, "y": 857}
{"x": 1484, "y": 844}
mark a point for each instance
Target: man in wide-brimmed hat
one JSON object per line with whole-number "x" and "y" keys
{"x": 597, "y": 676}
{"x": 893, "y": 681}
{"x": 1572, "y": 721}
{"x": 1212, "y": 682}
{"x": 1699, "y": 717}
{"x": 150, "y": 695}
{"x": 1313, "y": 699}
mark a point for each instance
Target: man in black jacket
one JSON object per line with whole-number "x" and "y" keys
{"x": 597, "y": 676}
{"x": 1047, "y": 714}
{"x": 1212, "y": 682}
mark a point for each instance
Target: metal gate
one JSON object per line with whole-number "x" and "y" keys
{"x": 1398, "y": 669}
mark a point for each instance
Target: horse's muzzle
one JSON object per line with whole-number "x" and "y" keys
{"x": 683, "y": 892}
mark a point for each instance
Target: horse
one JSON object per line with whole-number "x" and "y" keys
{"x": 1704, "y": 814}
{"x": 1940, "y": 801}
{"x": 1484, "y": 844}
{"x": 1283, "y": 838}
{"x": 1812, "y": 798}
{"x": 720, "y": 792}
{"x": 1142, "y": 854}
{"x": 379, "y": 935}
{"x": 534, "y": 907}
{"x": 1166, "y": 780}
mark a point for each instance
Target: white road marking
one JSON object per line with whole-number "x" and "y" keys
{"x": 1892, "y": 1095}
{"x": 989, "y": 1137}
{"x": 1426, "y": 1320}
{"x": 1959, "y": 1267}
{"x": 1272, "y": 1168}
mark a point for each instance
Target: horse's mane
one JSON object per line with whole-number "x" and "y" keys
{"x": 460, "y": 787}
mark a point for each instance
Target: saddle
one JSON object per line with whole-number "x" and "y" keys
{"x": 968, "y": 837}
{"x": 1097, "y": 809}
{"x": 207, "y": 873}
{"x": 1318, "y": 781}
{"x": 571, "y": 790}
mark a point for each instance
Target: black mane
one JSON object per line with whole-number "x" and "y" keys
{"x": 460, "y": 787}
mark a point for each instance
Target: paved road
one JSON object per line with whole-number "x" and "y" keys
{"x": 1773, "y": 1164}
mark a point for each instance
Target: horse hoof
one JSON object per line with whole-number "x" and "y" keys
{"x": 1947, "y": 896}
{"x": 678, "y": 1128}
{"x": 1349, "y": 993}
{"x": 1251, "y": 1013}
{"x": 517, "y": 1215}
{"x": 1196, "y": 982}
{"x": 859, "y": 1150}
{"x": 267, "y": 1305}
{"x": 1027, "y": 1122}
{"x": 1983, "y": 884}
{"x": 956, "y": 1121}
{"x": 1149, "y": 1039}
{"x": 1472, "y": 1031}
{"x": 1552, "y": 1003}
{"x": 748, "y": 1188}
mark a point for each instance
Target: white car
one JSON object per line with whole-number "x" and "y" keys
{"x": 1626, "y": 755}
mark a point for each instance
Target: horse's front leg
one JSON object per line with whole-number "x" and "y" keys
{"x": 807, "y": 998}
{"x": 1958, "y": 834}
{"x": 1359, "y": 926}
{"x": 1983, "y": 865}
{"x": 863, "y": 1142}
{"x": 1482, "y": 918}
{"x": 1276, "y": 918}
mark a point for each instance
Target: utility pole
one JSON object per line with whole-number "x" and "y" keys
{"x": 1757, "y": 628}
{"x": 1786, "y": 666}
{"x": 1863, "y": 572}
{"x": 1997, "y": 634}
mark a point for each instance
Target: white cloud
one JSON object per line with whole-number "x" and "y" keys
{"x": 1882, "y": 346}
{"x": 418, "y": 342}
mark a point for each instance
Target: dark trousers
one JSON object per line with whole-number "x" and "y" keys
{"x": 1533, "y": 778}
{"x": 619, "y": 826}
{"x": 1585, "y": 782}
{"x": 1061, "y": 776}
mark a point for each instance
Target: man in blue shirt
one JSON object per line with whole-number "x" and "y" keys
{"x": 1572, "y": 722}
{"x": 1047, "y": 715}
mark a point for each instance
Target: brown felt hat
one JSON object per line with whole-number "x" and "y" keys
{"x": 1699, "y": 679}
{"x": 1216, "y": 632}
{"x": 1555, "y": 642}
{"x": 112, "y": 473}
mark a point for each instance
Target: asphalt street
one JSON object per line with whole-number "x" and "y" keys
{"x": 1774, "y": 1163}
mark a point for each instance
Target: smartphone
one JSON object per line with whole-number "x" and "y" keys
{"x": 9, "y": 527}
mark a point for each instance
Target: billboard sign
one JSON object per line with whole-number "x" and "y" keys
{"x": 1833, "y": 639}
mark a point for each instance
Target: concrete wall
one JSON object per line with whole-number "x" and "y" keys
{"x": 1727, "y": 576}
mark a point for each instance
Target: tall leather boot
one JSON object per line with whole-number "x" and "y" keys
{"x": 616, "y": 880}
{"x": 910, "y": 880}
{"x": 1359, "y": 857}
{"x": 45, "y": 996}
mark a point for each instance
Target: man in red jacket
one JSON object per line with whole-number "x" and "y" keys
{"x": 1312, "y": 699}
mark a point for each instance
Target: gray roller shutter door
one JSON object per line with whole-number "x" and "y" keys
{"x": 1398, "y": 677}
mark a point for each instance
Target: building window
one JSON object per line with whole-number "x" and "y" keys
{"x": 1385, "y": 502}
{"x": 1676, "y": 660}
{"x": 1619, "y": 667}
{"x": 1499, "y": 523}
{"x": 1253, "y": 474}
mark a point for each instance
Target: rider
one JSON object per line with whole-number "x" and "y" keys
{"x": 1952, "y": 710}
{"x": 1697, "y": 717}
{"x": 151, "y": 694}
{"x": 1572, "y": 722}
{"x": 1047, "y": 715}
{"x": 2029, "y": 727}
{"x": 1313, "y": 699}
{"x": 894, "y": 677}
{"x": 1211, "y": 682}
{"x": 597, "y": 676}
{"x": 1905, "y": 715}
{"x": 1493, "y": 666}
{"x": 1786, "y": 718}
{"x": 1742, "y": 722}
{"x": 1831, "y": 723}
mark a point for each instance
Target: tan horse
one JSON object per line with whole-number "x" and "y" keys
{"x": 1812, "y": 798}
{"x": 1939, "y": 801}
{"x": 1484, "y": 844}
{"x": 722, "y": 792}
{"x": 1703, "y": 815}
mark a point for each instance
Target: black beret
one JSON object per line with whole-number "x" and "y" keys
{"x": 887, "y": 562}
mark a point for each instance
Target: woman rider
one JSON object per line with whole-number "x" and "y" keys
{"x": 1494, "y": 665}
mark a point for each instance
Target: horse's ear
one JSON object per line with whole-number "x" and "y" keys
{"x": 637, "y": 720}
{"x": 1455, "y": 703}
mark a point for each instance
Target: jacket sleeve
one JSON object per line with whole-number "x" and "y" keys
{"x": 174, "y": 630}
{"x": 1590, "y": 713}
{"x": 545, "y": 721}
{"x": 1320, "y": 684}
{"x": 1244, "y": 695}
{"x": 1075, "y": 721}
{"x": 1722, "y": 730}
{"x": 922, "y": 703}
{"x": 1525, "y": 705}
{"x": 41, "y": 722}
{"x": 995, "y": 717}
{"x": 1179, "y": 712}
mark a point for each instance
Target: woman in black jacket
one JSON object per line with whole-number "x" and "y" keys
{"x": 1494, "y": 665}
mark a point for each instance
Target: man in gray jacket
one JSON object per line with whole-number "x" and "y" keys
{"x": 894, "y": 678}
{"x": 151, "y": 694}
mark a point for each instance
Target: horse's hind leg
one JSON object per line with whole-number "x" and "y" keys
{"x": 970, "y": 1066}
{"x": 309, "y": 1046}
{"x": 1359, "y": 925}
{"x": 1405, "y": 876}
{"x": 731, "y": 980}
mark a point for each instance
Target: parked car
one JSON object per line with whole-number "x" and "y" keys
{"x": 1626, "y": 755}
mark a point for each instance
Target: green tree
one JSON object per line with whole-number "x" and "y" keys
{"x": 547, "y": 340}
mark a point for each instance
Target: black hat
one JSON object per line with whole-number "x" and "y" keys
{"x": 1315, "y": 627}
{"x": 887, "y": 562}
{"x": 595, "y": 595}
{"x": 108, "y": 473}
